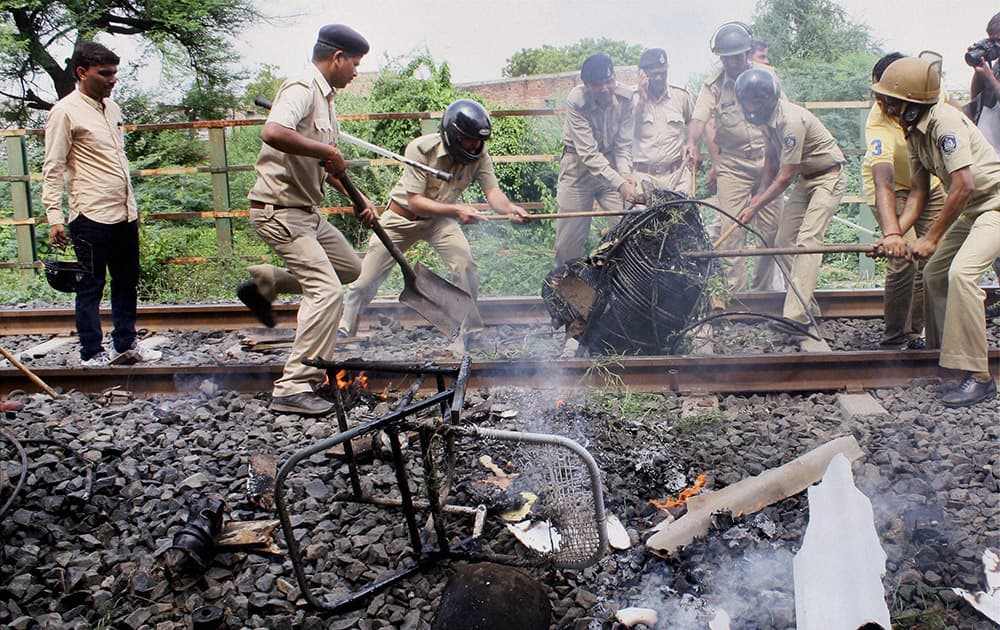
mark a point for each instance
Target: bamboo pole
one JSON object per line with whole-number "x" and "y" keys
{"x": 564, "y": 215}
{"x": 31, "y": 375}
{"x": 850, "y": 248}
{"x": 729, "y": 232}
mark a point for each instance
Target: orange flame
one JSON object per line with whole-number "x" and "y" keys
{"x": 682, "y": 498}
{"x": 343, "y": 382}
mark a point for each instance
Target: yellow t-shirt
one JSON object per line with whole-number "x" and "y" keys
{"x": 886, "y": 144}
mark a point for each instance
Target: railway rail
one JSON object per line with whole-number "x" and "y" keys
{"x": 790, "y": 372}
{"x": 687, "y": 374}
{"x": 506, "y": 310}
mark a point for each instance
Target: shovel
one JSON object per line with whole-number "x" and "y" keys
{"x": 438, "y": 301}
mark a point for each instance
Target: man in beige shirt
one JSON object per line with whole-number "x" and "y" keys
{"x": 662, "y": 113}
{"x": 300, "y": 153}
{"x": 85, "y": 152}
{"x": 798, "y": 146}
{"x": 423, "y": 208}
{"x": 596, "y": 163}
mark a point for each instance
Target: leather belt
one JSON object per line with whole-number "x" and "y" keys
{"x": 661, "y": 169}
{"x": 260, "y": 205}
{"x": 747, "y": 154}
{"x": 403, "y": 212}
{"x": 826, "y": 171}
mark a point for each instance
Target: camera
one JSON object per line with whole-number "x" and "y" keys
{"x": 982, "y": 51}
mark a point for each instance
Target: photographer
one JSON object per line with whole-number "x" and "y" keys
{"x": 984, "y": 57}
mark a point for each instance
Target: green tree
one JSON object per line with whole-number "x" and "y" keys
{"x": 192, "y": 34}
{"x": 551, "y": 59}
{"x": 818, "y": 30}
{"x": 821, "y": 55}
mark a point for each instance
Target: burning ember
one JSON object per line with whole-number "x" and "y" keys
{"x": 344, "y": 381}
{"x": 353, "y": 388}
{"x": 687, "y": 493}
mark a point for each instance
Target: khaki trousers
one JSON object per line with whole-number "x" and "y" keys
{"x": 737, "y": 178}
{"x": 317, "y": 259}
{"x": 903, "y": 309}
{"x": 576, "y": 191}
{"x": 953, "y": 301}
{"x": 807, "y": 214}
{"x": 444, "y": 234}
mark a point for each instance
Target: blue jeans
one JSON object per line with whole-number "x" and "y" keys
{"x": 107, "y": 248}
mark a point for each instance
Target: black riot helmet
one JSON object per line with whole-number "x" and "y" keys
{"x": 757, "y": 91}
{"x": 732, "y": 38}
{"x": 66, "y": 275}
{"x": 465, "y": 119}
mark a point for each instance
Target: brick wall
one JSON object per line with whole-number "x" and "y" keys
{"x": 537, "y": 91}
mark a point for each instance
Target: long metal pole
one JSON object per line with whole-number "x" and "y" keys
{"x": 374, "y": 148}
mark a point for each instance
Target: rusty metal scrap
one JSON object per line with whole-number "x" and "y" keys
{"x": 260, "y": 480}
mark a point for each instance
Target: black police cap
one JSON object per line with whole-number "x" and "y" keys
{"x": 652, "y": 58}
{"x": 343, "y": 38}
{"x": 597, "y": 68}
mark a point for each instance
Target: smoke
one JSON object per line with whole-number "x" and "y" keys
{"x": 757, "y": 586}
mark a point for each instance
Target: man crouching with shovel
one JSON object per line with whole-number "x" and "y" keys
{"x": 424, "y": 208}
{"x": 298, "y": 154}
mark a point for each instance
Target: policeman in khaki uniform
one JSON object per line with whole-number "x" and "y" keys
{"x": 662, "y": 113}
{"x": 298, "y": 154}
{"x": 964, "y": 240}
{"x": 596, "y": 162}
{"x": 741, "y": 153}
{"x": 423, "y": 208}
{"x": 885, "y": 179}
{"x": 800, "y": 145}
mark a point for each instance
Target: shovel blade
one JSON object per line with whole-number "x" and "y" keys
{"x": 438, "y": 301}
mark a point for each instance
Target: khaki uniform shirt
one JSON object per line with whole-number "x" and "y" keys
{"x": 306, "y": 105}
{"x": 85, "y": 150}
{"x": 944, "y": 141}
{"x": 430, "y": 150}
{"x": 799, "y": 138}
{"x": 660, "y": 127}
{"x": 733, "y": 134}
{"x": 600, "y": 137}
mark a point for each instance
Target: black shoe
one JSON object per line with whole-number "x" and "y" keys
{"x": 306, "y": 404}
{"x": 969, "y": 392}
{"x": 915, "y": 343}
{"x": 249, "y": 295}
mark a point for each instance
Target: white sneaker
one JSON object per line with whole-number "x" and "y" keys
{"x": 97, "y": 361}
{"x": 138, "y": 353}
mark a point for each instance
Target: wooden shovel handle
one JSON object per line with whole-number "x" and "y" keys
{"x": 376, "y": 227}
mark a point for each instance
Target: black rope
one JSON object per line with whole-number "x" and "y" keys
{"x": 24, "y": 471}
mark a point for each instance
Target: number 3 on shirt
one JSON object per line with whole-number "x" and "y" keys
{"x": 876, "y": 148}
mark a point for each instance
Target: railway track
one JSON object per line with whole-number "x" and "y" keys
{"x": 507, "y": 310}
{"x": 791, "y": 371}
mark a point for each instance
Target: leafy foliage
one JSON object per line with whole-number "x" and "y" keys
{"x": 193, "y": 34}
{"x": 818, "y": 30}
{"x": 551, "y": 59}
